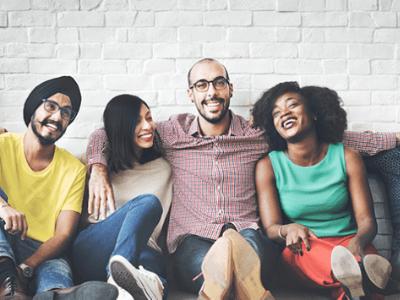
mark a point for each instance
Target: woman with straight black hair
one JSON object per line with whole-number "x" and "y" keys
{"x": 122, "y": 248}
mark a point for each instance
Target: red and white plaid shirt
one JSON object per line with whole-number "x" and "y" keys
{"x": 214, "y": 176}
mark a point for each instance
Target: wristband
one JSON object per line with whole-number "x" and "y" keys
{"x": 280, "y": 233}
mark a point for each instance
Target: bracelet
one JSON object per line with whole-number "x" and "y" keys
{"x": 4, "y": 204}
{"x": 280, "y": 233}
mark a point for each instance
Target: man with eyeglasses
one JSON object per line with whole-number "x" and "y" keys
{"x": 214, "y": 221}
{"x": 41, "y": 198}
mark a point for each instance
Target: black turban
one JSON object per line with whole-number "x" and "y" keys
{"x": 65, "y": 85}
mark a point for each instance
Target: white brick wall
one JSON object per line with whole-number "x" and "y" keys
{"x": 147, "y": 47}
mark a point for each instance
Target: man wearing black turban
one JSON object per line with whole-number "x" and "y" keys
{"x": 40, "y": 200}
{"x": 64, "y": 85}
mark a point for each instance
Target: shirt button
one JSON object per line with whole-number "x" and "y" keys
{"x": 218, "y": 187}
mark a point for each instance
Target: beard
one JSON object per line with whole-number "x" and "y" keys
{"x": 214, "y": 120}
{"x": 43, "y": 140}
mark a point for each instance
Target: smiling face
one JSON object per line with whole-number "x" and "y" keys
{"x": 144, "y": 131}
{"x": 48, "y": 127}
{"x": 291, "y": 117}
{"x": 212, "y": 104}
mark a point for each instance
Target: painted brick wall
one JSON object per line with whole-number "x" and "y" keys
{"x": 146, "y": 47}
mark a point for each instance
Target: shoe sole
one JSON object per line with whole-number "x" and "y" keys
{"x": 347, "y": 271}
{"x": 378, "y": 269}
{"x": 217, "y": 271}
{"x": 247, "y": 269}
{"x": 123, "y": 274}
{"x": 93, "y": 290}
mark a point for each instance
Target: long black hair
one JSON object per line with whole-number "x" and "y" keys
{"x": 120, "y": 120}
{"x": 323, "y": 103}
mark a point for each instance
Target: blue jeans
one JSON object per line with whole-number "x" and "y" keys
{"x": 387, "y": 165}
{"x": 52, "y": 274}
{"x": 126, "y": 233}
{"x": 191, "y": 251}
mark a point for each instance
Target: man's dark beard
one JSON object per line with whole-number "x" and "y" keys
{"x": 46, "y": 141}
{"x": 214, "y": 121}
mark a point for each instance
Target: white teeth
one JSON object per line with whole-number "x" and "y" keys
{"x": 212, "y": 103}
{"x": 147, "y": 135}
{"x": 288, "y": 122}
{"x": 52, "y": 126}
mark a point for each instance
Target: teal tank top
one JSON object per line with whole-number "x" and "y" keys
{"x": 316, "y": 196}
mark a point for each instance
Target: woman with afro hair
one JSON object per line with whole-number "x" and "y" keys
{"x": 313, "y": 194}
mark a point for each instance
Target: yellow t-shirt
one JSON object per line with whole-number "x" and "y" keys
{"x": 40, "y": 195}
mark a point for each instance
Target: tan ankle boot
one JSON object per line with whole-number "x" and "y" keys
{"x": 246, "y": 269}
{"x": 217, "y": 271}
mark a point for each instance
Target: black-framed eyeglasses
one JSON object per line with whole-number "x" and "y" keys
{"x": 203, "y": 85}
{"x": 67, "y": 113}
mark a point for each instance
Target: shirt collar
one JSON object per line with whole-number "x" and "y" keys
{"x": 235, "y": 127}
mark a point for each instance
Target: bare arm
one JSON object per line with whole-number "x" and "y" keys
{"x": 361, "y": 199}
{"x": 270, "y": 211}
{"x": 66, "y": 225}
{"x": 100, "y": 189}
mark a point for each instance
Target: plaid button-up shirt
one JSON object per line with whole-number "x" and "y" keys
{"x": 214, "y": 176}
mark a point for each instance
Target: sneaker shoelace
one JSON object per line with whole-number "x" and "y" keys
{"x": 154, "y": 281}
{"x": 11, "y": 284}
{"x": 148, "y": 274}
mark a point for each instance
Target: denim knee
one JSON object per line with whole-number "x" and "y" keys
{"x": 154, "y": 203}
{"x": 151, "y": 201}
{"x": 52, "y": 274}
{"x": 6, "y": 238}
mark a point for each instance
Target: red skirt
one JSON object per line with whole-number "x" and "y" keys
{"x": 313, "y": 269}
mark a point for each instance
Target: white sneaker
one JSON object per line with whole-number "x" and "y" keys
{"x": 123, "y": 294}
{"x": 140, "y": 283}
